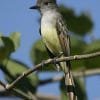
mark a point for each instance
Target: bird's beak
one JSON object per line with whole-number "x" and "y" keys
{"x": 34, "y": 7}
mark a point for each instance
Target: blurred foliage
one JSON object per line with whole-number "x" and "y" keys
{"x": 8, "y": 45}
{"x": 39, "y": 54}
{"x": 77, "y": 47}
{"x": 93, "y": 62}
{"x": 80, "y": 90}
{"x": 15, "y": 37}
{"x": 94, "y": 46}
{"x": 12, "y": 69}
{"x": 79, "y": 24}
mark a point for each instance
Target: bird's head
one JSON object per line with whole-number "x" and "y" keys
{"x": 44, "y": 5}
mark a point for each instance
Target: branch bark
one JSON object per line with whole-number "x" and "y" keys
{"x": 85, "y": 73}
{"x": 47, "y": 97}
{"x": 38, "y": 66}
{"x": 4, "y": 92}
{"x": 10, "y": 92}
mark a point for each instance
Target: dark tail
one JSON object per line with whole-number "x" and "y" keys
{"x": 69, "y": 82}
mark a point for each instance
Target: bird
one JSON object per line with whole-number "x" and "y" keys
{"x": 55, "y": 35}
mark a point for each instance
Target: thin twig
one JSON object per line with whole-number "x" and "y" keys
{"x": 47, "y": 97}
{"x": 39, "y": 96}
{"x": 2, "y": 84}
{"x": 86, "y": 73}
{"x": 38, "y": 66}
{"x": 7, "y": 92}
{"x": 51, "y": 80}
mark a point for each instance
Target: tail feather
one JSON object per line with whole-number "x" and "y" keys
{"x": 58, "y": 67}
{"x": 69, "y": 81}
{"x": 64, "y": 66}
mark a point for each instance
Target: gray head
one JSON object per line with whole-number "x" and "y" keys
{"x": 44, "y": 5}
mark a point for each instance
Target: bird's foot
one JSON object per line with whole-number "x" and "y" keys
{"x": 42, "y": 64}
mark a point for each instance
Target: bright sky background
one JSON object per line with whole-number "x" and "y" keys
{"x": 16, "y": 17}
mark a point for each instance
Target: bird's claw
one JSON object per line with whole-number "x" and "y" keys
{"x": 42, "y": 64}
{"x": 54, "y": 61}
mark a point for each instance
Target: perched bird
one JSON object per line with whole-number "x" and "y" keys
{"x": 53, "y": 30}
{"x": 55, "y": 34}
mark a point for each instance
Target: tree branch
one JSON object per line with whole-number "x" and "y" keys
{"x": 38, "y": 66}
{"x": 5, "y": 92}
{"x": 47, "y": 97}
{"x": 39, "y": 96}
{"x": 51, "y": 80}
{"x": 89, "y": 72}
{"x": 85, "y": 73}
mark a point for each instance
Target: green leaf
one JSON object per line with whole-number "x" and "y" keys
{"x": 63, "y": 90}
{"x": 12, "y": 69}
{"x": 15, "y": 37}
{"x": 8, "y": 45}
{"x": 77, "y": 47}
{"x": 80, "y": 89}
{"x": 93, "y": 47}
{"x": 39, "y": 54}
{"x": 92, "y": 62}
{"x": 78, "y": 24}
{"x": 0, "y": 34}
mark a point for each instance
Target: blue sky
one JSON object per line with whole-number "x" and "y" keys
{"x": 16, "y": 17}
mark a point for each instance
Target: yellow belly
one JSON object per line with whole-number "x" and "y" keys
{"x": 50, "y": 38}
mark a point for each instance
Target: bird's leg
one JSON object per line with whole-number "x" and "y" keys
{"x": 60, "y": 54}
{"x": 69, "y": 82}
{"x": 42, "y": 64}
{"x": 57, "y": 64}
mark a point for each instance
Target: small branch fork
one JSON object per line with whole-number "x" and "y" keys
{"x": 38, "y": 66}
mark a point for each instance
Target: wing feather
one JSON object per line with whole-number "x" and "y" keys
{"x": 63, "y": 36}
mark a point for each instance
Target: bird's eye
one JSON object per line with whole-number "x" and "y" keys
{"x": 46, "y": 3}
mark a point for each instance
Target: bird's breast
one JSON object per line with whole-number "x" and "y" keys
{"x": 50, "y": 37}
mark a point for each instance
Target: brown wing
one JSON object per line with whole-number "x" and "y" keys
{"x": 65, "y": 44}
{"x": 63, "y": 36}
